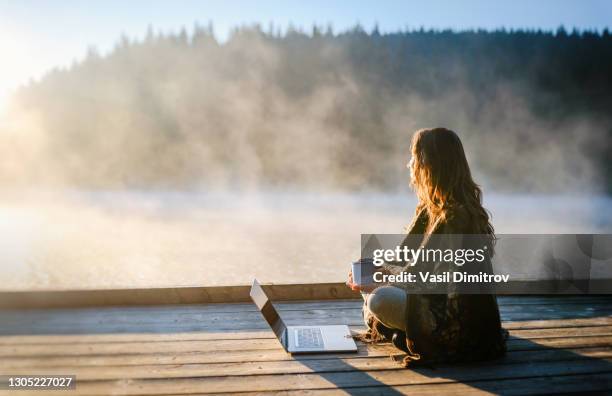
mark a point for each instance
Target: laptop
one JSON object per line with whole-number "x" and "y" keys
{"x": 302, "y": 339}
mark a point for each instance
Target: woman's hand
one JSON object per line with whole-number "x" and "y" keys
{"x": 349, "y": 282}
{"x": 359, "y": 288}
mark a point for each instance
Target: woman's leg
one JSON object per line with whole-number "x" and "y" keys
{"x": 388, "y": 305}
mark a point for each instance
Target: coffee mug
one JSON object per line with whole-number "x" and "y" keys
{"x": 363, "y": 272}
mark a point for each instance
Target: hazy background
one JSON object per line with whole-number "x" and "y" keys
{"x": 205, "y": 155}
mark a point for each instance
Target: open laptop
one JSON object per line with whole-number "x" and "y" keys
{"x": 302, "y": 339}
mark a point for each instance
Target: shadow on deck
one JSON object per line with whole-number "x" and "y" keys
{"x": 557, "y": 344}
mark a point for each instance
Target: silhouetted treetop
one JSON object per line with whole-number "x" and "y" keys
{"x": 323, "y": 110}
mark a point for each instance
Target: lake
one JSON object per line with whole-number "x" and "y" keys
{"x": 96, "y": 240}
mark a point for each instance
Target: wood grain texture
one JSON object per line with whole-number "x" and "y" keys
{"x": 170, "y": 295}
{"x": 555, "y": 345}
{"x": 196, "y": 295}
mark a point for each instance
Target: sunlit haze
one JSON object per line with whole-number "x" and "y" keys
{"x": 37, "y": 36}
{"x": 271, "y": 134}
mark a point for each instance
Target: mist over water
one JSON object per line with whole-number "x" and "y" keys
{"x": 177, "y": 160}
{"x": 93, "y": 240}
{"x": 316, "y": 111}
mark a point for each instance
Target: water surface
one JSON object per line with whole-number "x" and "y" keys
{"x": 94, "y": 240}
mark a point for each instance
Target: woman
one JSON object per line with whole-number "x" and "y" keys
{"x": 443, "y": 325}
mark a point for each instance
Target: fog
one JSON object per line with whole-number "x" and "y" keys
{"x": 316, "y": 112}
{"x": 85, "y": 240}
{"x": 177, "y": 160}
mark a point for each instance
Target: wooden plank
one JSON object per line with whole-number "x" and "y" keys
{"x": 240, "y": 356}
{"x": 205, "y": 361}
{"x": 558, "y": 323}
{"x": 236, "y": 326}
{"x": 258, "y": 355}
{"x": 521, "y": 344}
{"x": 293, "y": 306}
{"x": 566, "y": 384}
{"x": 287, "y": 306}
{"x": 187, "y": 329}
{"x": 561, "y": 332}
{"x": 137, "y": 347}
{"x": 29, "y": 323}
{"x": 174, "y": 295}
{"x": 269, "y": 342}
{"x": 554, "y": 299}
{"x": 293, "y": 366}
{"x": 136, "y": 337}
{"x": 187, "y": 308}
{"x": 335, "y": 380}
{"x": 148, "y": 321}
{"x": 245, "y": 334}
{"x": 251, "y": 334}
{"x": 223, "y": 342}
{"x": 299, "y": 305}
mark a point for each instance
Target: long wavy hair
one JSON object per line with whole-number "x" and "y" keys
{"x": 441, "y": 177}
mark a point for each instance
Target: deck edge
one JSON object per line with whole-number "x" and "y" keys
{"x": 170, "y": 295}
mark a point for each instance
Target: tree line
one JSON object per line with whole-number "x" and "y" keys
{"x": 318, "y": 110}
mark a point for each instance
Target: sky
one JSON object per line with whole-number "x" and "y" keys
{"x": 37, "y": 35}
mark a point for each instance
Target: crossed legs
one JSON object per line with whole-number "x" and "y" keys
{"x": 388, "y": 305}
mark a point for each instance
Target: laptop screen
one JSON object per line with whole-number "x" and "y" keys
{"x": 268, "y": 311}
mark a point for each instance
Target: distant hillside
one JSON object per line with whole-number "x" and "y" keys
{"x": 318, "y": 110}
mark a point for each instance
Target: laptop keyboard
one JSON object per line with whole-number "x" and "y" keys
{"x": 308, "y": 338}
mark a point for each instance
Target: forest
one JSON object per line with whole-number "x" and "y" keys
{"x": 317, "y": 110}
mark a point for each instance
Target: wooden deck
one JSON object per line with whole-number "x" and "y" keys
{"x": 557, "y": 345}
